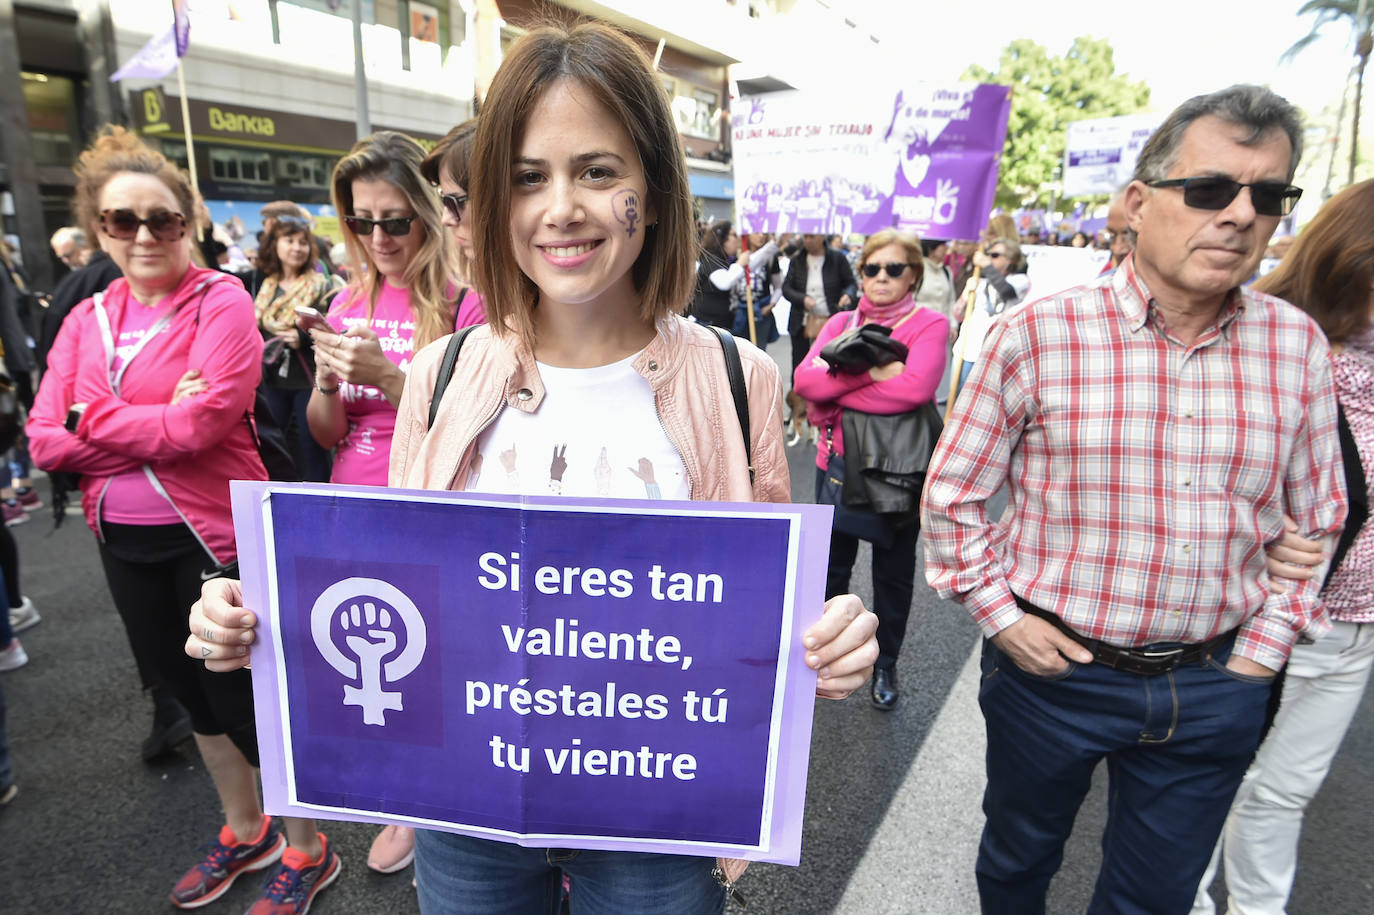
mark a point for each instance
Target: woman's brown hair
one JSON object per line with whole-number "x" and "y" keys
{"x": 395, "y": 158}
{"x": 910, "y": 244}
{"x": 612, "y": 69}
{"x": 114, "y": 152}
{"x": 268, "y": 260}
{"x": 453, "y": 155}
{"x": 1329, "y": 270}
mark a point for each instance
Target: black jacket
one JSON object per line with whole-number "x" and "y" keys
{"x": 836, "y": 276}
{"x": 74, "y": 288}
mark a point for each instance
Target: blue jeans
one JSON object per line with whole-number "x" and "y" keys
{"x": 462, "y": 874}
{"x": 1176, "y": 746}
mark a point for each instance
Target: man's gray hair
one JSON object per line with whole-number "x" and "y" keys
{"x": 70, "y": 233}
{"x": 1255, "y": 107}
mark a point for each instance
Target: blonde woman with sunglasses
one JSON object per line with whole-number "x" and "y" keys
{"x": 403, "y": 270}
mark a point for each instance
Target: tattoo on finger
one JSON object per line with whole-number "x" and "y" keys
{"x": 209, "y": 634}
{"x": 205, "y": 652}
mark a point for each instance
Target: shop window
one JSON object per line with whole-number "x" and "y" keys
{"x": 303, "y": 171}
{"x": 245, "y": 165}
{"x": 51, "y": 104}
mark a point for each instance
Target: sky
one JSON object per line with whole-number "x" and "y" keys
{"x": 1180, "y": 48}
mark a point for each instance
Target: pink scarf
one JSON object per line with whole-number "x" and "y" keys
{"x": 886, "y": 315}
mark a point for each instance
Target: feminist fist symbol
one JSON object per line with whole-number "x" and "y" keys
{"x": 625, "y": 206}
{"x": 371, "y": 634}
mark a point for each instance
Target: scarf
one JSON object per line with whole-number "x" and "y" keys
{"x": 886, "y": 315}
{"x": 276, "y": 305}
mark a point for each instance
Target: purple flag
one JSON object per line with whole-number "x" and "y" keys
{"x": 154, "y": 60}
{"x": 181, "y": 22}
{"x": 920, "y": 158}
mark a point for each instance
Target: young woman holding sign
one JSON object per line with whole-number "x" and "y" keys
{"x": 584, "y": 243}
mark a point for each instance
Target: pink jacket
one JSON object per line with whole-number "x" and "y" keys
{"x": 191, "y": 450}
{"x": 926, "y": 335}
{"x": 683, "y": 364}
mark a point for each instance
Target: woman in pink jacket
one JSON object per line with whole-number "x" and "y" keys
{"x": 890, "y": 268}
{"x": 147, "y": 396}
{"x": 585, "y": 256}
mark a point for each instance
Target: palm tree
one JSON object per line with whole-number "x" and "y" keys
{"x": 1361, "y": 18}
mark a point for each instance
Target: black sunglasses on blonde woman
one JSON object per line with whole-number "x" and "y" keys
{"x": 392, "y": 225}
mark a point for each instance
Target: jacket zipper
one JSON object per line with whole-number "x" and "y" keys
{"x": 157, "y": 485}
{"x": 691, "y": 480}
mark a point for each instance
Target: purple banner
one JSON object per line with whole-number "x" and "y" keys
{"x": 572, "y": 673}
{"x": 923, "y": 158}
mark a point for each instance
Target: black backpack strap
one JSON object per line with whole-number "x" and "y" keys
{"x": 734, "y": 370}
{"x": 455, "y": 343}
{"x": 1357, "y": 493}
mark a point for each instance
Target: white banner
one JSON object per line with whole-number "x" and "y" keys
{"x": 1100, "y": 154}
{"x": 1055, "y": 268}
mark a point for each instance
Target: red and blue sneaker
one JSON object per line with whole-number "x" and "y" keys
{"x": 297, "y": 881}
{"x": 226, "y": 858}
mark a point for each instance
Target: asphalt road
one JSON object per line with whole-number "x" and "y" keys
{"x": 893, "y": 806}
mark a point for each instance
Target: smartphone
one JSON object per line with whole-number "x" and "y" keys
{"x": 308, "y": 319}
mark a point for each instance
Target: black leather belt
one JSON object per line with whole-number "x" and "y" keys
{"x": 1132, "y": 660}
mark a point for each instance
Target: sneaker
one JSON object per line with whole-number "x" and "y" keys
{"x": 28, "y": 497}
{"x": 171, "y": 725}
{"x": 13, "y": 657}
{"x": 225, "y": 860}
{"x": 13, "y": 512}
{"x": 392, "y": 850}
{"x": 297, "y": 881}
{"x": 25, "y": 616}
{"x": 8, "y": 794}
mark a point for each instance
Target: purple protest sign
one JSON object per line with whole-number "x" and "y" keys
{"x": 921, "y": 158}
{"x": 574, "y": 673}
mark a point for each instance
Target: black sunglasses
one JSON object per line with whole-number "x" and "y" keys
{"x": 124, "y": 224}
{"x": 1269, "y": 198}
{"x": 455, "y": 204}
{"x": 894, "y": 270}
{"x": 392, "y": 225}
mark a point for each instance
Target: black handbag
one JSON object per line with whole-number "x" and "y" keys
{"x": 861, "y": 348}
{"x": 863, "y": 523}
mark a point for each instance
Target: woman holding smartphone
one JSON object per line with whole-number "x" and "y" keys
{"x": 399, "y": 300}
{"x": 584, "y": 242}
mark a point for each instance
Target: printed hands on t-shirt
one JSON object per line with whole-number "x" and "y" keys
{"x": 508, "y": 460}
{"x": 602, "y": 473}
{"x": 558, "y": 466}
{"x": 645, "y": 472}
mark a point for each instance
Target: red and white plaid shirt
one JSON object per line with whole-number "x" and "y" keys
{"x": 1145, "y": 475}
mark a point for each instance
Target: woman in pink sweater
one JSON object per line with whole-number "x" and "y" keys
{"x": 890, "y": 268}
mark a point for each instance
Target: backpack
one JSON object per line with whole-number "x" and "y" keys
{"x": 734, "y": 370}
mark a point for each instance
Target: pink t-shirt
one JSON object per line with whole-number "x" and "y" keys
{"x": 365, "y": 451}
{"x": 130, "y": 497}
{"x": 472, "y": 310}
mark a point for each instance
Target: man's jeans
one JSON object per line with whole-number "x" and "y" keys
{"x": 1176, "y": 746}
{"x": 460, "y": 874}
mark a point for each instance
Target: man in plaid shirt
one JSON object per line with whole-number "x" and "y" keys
{"x": 1152, "y": 430}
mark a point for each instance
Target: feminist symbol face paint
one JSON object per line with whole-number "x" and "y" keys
{"x": 373, "y": 617}
{"x": 625, "y": 206}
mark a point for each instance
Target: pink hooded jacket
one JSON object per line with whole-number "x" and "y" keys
{"x": 189, "y": 450}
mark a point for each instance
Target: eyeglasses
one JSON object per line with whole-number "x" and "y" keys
{"x": 996, "y": 254}
{"x": 455, "y": 204}
{"x": 124, "y": 224}
{"x": 293, "y": 221}
{"x": 894, "y": 270}
{"x": 1269, "y": 198}
{"x": 392, "y": 225}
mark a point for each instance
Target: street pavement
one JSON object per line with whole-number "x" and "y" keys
{"x": 893, "y": 801}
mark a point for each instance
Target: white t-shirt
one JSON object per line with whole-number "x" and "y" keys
{"x": 595, "y": 434}
{"x": 815, "y": 284}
